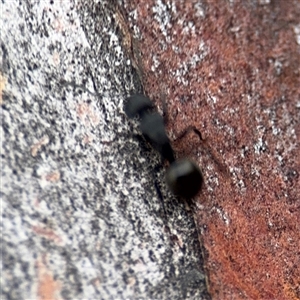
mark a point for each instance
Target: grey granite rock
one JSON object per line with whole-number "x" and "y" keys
{"x": 81, "y": 190}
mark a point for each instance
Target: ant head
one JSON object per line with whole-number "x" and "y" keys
{"x": 137, "y": 104}
{"x": 184, "y": 178}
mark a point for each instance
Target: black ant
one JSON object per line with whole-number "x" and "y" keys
{"x": 183, "y": 176}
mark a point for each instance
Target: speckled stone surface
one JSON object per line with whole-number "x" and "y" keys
{"x": 81, "y": 190}
{"x": 232, "y": 70}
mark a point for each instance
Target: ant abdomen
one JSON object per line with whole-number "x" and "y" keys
{"x": 184, "y": 178}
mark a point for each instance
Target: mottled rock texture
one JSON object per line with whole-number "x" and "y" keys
{"x": 81, "y": 190}
{"x": 232, "y": 70}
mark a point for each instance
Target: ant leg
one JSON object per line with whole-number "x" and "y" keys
{"x": 163, "y": 103}
{"x": 165, "y": 108}
{"x": 160, "y": 196}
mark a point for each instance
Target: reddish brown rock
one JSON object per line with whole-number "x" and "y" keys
{"x": 233, "y": 71}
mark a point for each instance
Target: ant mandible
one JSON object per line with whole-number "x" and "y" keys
{"x": 183, "y": 176}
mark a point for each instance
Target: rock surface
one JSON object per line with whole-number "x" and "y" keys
{"x": 232, "y": 70}
{"x": 81, "y": 190}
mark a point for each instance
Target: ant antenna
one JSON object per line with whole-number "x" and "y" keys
{"x": 188, "y": 130}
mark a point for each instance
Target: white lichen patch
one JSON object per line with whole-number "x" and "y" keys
{"x": 244, "y": 150}
{"x": 297, "y": 33}
{"x": 260, "y": 146}
{"x": 163, "y": 17}
{"x": 237, "y": 178}
{"x": 199, "y": 9}
{"x": 264, "y": 2}
{"x": 222, "y": 214}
